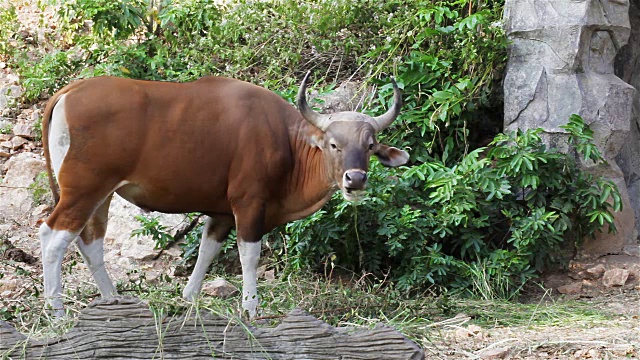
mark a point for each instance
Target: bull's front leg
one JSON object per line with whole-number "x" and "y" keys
{"x": 249, "y": 227}
{"x": 249, "y": 257}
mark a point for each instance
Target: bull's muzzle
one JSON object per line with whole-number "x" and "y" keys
{"x": 354, "y": 180}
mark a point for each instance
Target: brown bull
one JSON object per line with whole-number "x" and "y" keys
{"x": 231, "y": 150}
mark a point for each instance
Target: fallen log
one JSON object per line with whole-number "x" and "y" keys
{"x": 125, "y": 328}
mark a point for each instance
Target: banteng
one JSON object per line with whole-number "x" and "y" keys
{"x": 233, "y": 151}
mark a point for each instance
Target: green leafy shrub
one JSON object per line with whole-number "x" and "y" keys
{"x": 483, "y": 225}
{"x": 112, "y": 20}
{"x": 165, "y": 237}
{"x": 52, "y": 72}
{"x": 40, "y": 189}
{"x": 151, "y": 226}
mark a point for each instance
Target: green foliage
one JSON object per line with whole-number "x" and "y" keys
{"x": 151, "y": 226}
{"x": 482, "y": 226}
{"x": 163, "y": 238}
{"x": 6, "y": 129}
{"x": 273, "y": 43}
{"x": 9, "y": 27}
{"x": 116, "y": 20}
{"x": 191, "y": 243}
{"x": 50, "y": 73}
{"x": 448, "y": 60}
{"x": 40, "y": 189}
{"x": 37, "y": 129}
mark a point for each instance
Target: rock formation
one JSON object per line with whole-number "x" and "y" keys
{"x": 627, "y": 67}
{"x": 561, "y": 63}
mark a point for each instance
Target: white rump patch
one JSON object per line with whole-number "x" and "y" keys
{"x": 59, "y": 138}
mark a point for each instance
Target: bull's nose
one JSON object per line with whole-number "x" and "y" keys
{"x": 354, "y": 179}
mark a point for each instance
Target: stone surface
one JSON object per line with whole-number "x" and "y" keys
{"x": 561, "y": 62}
{"x": 627, "y": 67}
{"x": 15, "y": 196}
{"x": 270, "y": 275}
{"x": 495, "y": 353}
{"x": 17, "y": 142}
{"x": 8, "y": 284}
{"x": 220, "y": 288}
{"x": 24, "y": 130}
{"x": 596, "y": 271}
{"x": 471, "y": 331}
{"x": 8, "y": 94}
{"x": 571, "y": 289}
{"x": 118, "y": 240}
{"x": 615, "y": 277}
{"x": 5, "y": 125}
{"x": 25, "y": 123}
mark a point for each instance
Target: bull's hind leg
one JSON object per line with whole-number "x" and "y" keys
{"x": 215, "y": 231}
{"x": 91, "y": 247}
{"x": 54, "y": 244}
{"x": 84, "y": 190}
{"x": 65, "y": 224}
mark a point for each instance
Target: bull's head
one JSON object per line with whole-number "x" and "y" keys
{"x": 349, "y": 140}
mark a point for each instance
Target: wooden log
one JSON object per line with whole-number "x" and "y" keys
{"x": 125, "y": 328}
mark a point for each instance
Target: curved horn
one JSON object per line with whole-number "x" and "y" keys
{"x": 383, "y": 121}
{"x": 316, "y": 119}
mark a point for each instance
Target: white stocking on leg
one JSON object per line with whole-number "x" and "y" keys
{"x": 54, "y": 244}
{"x": 249, "y": 257}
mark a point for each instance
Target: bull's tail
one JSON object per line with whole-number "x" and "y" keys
{"x": 46, "y": 120}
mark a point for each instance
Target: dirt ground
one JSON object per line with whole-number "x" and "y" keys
{"x": 616, "y": 337}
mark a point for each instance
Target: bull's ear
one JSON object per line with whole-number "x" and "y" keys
{"x": 390, "y": 156}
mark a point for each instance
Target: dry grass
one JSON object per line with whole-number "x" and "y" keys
{"x": 446, "y": 327}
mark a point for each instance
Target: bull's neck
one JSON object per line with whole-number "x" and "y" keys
{"x": 310, "y": 185}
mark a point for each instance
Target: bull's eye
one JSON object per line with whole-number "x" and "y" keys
{"x": 371, "y": 146}
{"x": 333, "y": 146}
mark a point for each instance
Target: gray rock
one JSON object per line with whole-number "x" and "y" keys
{"x": 349, "y": 96}
{"x": 561, "y": 62}
{"x": 571, "y": 289}
{"x": 5, "y": 125}
{"x": 220, "y": 288}
{"x": 615, "y": 277}
{"x": 24, "y": 130}
{"x": 495, "y": 353}
{"x": 15, "y": 196}
{"x": 17, "y": 142}
{"x": 596, "y": 271}
{"x": 628, "y": 69}
{"x": 8, "y": 94}
{"x": 118, "y": 240}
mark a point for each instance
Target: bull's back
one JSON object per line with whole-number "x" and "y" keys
{"x": 177, "y": 147}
